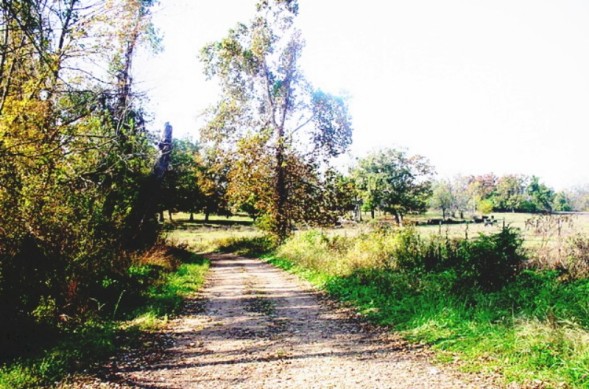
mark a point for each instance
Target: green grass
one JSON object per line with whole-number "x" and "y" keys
{"x": 87, "y": 346}
{"x": 167, "y": 296}
{"x": 205, "y": 238}
{"x": 534, "y": 328}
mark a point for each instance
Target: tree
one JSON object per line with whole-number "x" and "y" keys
{"x": 482, "y": 188}
{"x": 510, "y": 192}
{"x": 181, "y": 191}
{"x": 268, "y": 107}
{"x": 212, "y": 180}
{"x": 561, "y": 202}
{"x": 540, "y": 196}
{"x": 579, "y": 198}
{"x": 462, "y": 197}
{"x": 443, "y": 197}
{"x": 395, "y": 182}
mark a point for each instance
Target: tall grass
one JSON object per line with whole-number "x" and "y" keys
{"x": 473, "y": 301}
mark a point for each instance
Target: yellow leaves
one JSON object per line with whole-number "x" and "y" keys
{"x": 23, "y": 125}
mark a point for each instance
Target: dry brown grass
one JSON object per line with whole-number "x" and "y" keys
{"x": 160, "y": 255}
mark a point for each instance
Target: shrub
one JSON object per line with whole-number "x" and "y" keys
{"x": 490, "y": 261}
{"x": 370, "y": 250}
{"x": 311, "y": 249}
{"x": 487, "y": 262}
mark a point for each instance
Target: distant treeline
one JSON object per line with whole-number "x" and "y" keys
{"x": 509, "y": 193}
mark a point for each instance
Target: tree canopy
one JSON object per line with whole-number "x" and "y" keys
{"x": 394, "y": 182}
{"x": 74, "y": 150}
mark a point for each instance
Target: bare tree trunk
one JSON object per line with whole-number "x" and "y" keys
{"x": 150, "y": 193}
{"x": 399, "y": 218}
{"x": 280, "y": 188}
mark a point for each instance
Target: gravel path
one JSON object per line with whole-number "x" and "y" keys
{"x": 255, "y": 326}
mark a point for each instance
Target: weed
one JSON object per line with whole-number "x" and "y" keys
{"x": 577, "y": 256}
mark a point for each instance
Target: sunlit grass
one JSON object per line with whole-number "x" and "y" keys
{"x": 533, "y": 331}
{"x": 206, "y": 239}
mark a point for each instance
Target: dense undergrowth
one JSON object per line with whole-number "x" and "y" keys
{"x": 151, "y": 290}
{"x": 474, "y": 301}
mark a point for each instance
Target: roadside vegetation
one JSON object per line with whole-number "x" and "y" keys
{"x": 152, "y": 290}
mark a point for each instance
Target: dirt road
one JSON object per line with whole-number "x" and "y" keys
{"x": 255, "y": 326}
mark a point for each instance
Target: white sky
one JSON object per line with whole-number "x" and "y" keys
{"x": 476, "y": 86}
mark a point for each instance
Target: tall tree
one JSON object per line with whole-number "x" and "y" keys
{"x": 180, "y": 188}
{"x": 462, "y": 198}
{"x": 510, "y": 192}
{"x": 269, "y": 107}
{"x": 481, "y": 189}
{"x": 541, "y": 196}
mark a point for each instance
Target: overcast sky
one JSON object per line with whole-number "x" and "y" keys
{"x": 476, "y": 86}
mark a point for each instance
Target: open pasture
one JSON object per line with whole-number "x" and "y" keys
{"x": 536, "y": 229}
{"x": 203, "y": 236}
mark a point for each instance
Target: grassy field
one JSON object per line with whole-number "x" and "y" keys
{"x": 547, "y": 225}
{"x": 203, "y": 236}
{"x": 545, "y": 236}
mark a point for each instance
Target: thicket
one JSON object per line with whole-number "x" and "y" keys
{"x": 155, "y": 287}
{"x": 487, "y": 262}
{"x": 75, "y": 164}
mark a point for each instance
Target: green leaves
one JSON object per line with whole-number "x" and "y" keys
{"x": 333, "y": 129}
{"x": 394, "y": 181}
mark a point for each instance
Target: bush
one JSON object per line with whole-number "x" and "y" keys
{"x": 312, "y": 249}
{"x": 490, "y": 261}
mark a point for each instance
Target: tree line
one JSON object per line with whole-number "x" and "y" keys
{"x": 390, "y": 180}
{"x": 509, "y": 193}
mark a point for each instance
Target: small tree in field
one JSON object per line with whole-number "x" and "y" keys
{"x": 274, "y": 129}
{"x": 443, "y": 197}
{"x": 540, "y": 195}
{"x": 397, "y": 182}
{"x": 485, "y": 206}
